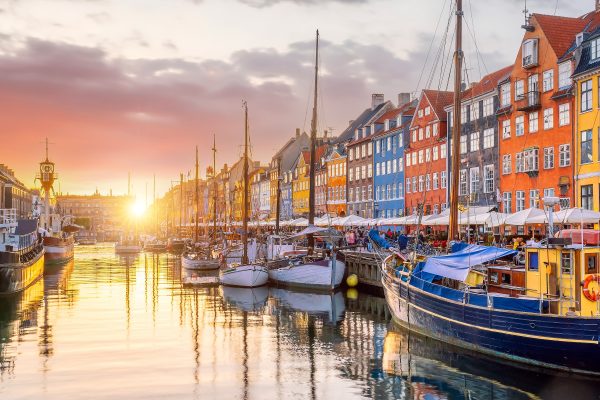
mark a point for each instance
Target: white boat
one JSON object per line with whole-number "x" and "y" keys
{"x": 251, "y": 275}
{"x": 234, "y": 253}
{"x": 246, "y": 299}
{"x": 198, "y": 261}
{"x": 324, "y": 274}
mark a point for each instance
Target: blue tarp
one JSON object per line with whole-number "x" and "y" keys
{"x": 376, "y": 238}
{"x": 457, "y": 265}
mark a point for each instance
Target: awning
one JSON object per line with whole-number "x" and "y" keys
{"x": 457, "y": 265}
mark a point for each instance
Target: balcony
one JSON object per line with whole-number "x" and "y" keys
{"x": 530, "y": 101}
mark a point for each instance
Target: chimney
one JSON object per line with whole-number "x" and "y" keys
{"x": 376, "y": 99}
{"x": 403, "y": 98}
{"x": 297, "y": 132}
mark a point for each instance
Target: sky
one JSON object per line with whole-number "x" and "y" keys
{"x": 132, "y": 86}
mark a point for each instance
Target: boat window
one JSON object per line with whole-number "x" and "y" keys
{"x": 591, "y": 264}
{"x": 566, "y": 262}
{"x": 494, "y": 277}
{"x": 533, "y": 261}
{"x": 506, "y": 279}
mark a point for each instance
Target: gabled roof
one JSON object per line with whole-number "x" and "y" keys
{"x": 363, "y": 119}
{"x": 561, "y": 31}
{"x": 406, "y": 109}
{"x": 488, "y": 83}
{"x": 439, "y": 99}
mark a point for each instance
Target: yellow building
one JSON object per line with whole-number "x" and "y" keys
{"x": 300, "y": 185}
{"x": 587, "y": 153}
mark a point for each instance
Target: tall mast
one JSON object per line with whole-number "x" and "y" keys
{"x": 455, "y": 166}
{"x": 215, "y": 187}
{"x": 245, "y": 195}
{"x": 313, "y": 139}
{"x": 180, "y": 203}
{"x": 197, "y": 200}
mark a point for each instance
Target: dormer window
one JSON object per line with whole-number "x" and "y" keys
{"x": 427, "y": 110}
{"x": 529, "y": 53}
{"x": 595, "y": 49}
{"x": 387, "y": 125}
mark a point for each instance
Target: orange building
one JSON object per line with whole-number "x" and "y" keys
{"x": 425, "y": 154}
{"x": 336, "y": 182}
{"x": 536, "y": 115}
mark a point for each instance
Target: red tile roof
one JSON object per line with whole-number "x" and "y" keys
{"x": 561, "y": 31}
{"x": 438, "y": 100}
{"x": 487, "y": 84}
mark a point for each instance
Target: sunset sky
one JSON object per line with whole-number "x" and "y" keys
{"x": 133, "y": 85}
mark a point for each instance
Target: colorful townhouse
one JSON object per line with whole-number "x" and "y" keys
{"x": 301, "y": 181}
{"x": 321, "y": 187}
{"x": 479, "y": 156}
{"x": 359, "y": 148}
{"x": 388, "y": 159}
{"x": 426, "y": 154}
{"x": 587, "y": 132}
{"x": 336, "y": 181}
{"x": 536, "y": 115}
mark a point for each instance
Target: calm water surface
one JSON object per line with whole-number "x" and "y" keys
{"x": 105, "y": 327}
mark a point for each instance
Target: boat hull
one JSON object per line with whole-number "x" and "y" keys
{"x": 316, "y": 275}
{"x": 58, "y": 251}
{"x": 19, "y": 276}
{"x": 244, "y": 276}
{"x": 564, "y": 343}
{"x": 199, "y": 264}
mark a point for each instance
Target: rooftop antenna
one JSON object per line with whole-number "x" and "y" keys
{"x": 527, "y": 26}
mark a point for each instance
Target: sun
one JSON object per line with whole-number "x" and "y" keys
{"x": 138, "y": 209}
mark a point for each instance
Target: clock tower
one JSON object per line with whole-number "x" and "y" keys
{"x": 47, "y": 178}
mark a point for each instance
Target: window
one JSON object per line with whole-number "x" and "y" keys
{"x": 443, "y": 180}
{"x": 566, "y": 262}
{"x": 586, "y": 95}
{"x": 370, "y": 171}
{"x": 427, "y": 155}
{"x": 488, "y": 138}
{"x": 505, "y": 94}
{"x": 586, "y": 147}
{"x": 435, "y": 153}
{"x": 377, "y": 146}
{"x": 407, "y": 185}
{"x": 388, "y": 192}
{"x": 563, "y": 114}
{"x": 435, "y": 180}
{"x": 474, "y": 179}
{"x": 475, "y": 141}
{"x": 520, "y": 200}
{"x": 506, "y": 164}
{"x": 421, "y": 158}
{"x": 414, "y": 184}
{"x": 364, "y": 150}
{"x": 591, "y": 264}
{"x": 530, "y": 160}
{"x": 370, "y": 148}
{"x": 548, "y": 157}
{"x": 463, "y": 114}
{"x": 529, "y": 53}
{"x": 351, "y": 154}
{"x": 389, "y": 166}
{"x": 400, "y": 140}
{"x": 534, "y": 198}
{"x": 564, "y": 155}
{"x": 474, "y": 111}
{"x": 488, "y": 176}
{"x": 400, "y": 164}
{"x": 595, "y": 49}
{"x": 414, "y": 136}
{"x": 414, "y": 158}
{"x": 377, "y": 169}
{"x": 564, "y": 75}
{"x": 587, "y": 197}
{"x": 548, "y": 80}
{"x": 420, "y": 113}
{"x": 350, "y": 174}
{"x": 394, "y": 165}
{"x": 421, "y": 181}
{"x": 443, "y": 150}
{"x": 427, "y": 131}
{"x": 549, "y": 192}
{"x": 463, "y": 144}
{"x": 420, "y": 133}
{"x": 533, "y": 122}
{"x": 408, "y": 160}
{"x": 520, "y": 125}
{"x": 462, "y": 188}
{"x": 507, "y": 202}
{"x": 394, "y": 191}
{"x": 519, "y": 162}
{"x": 400, "y": 191}
{"x": 488, "y": 106}
{"x": 519, "y": 89}
{"x": 548, "y": 118}
{"x": 435, "y": 129}
{"x": 427, "y": 182}
{"x": 427, "y": 110}
{"x": 506, "y": 129}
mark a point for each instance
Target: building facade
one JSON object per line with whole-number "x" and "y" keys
{"x": 336, "y": 181}
{"x": 426, "y": 154}
{"x": 14, "y": 194}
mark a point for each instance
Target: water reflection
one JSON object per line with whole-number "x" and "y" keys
{"x": 141, "y": 327}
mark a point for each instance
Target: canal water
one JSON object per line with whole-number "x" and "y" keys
{"x": 107, "y": 327}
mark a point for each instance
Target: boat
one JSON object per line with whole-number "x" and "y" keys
{"x": 248, "y": 273}
{"x": 21, "y": 252}
{"x": 313, "y": 271}
{"x": 197, "y": 256}
{"x": 59, "y": 248}
{"x": 155, "y": 246}
{"x": 128, "y": 246}
{"x": 175, "y": 245}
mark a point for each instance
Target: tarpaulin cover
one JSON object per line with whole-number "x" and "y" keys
{"x": 374, "y": 236}
{"x": 457, "y": 265}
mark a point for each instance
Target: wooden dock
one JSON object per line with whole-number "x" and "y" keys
{"x": 366, "y": 266}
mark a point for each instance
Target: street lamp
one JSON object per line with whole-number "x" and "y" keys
{"x": 549, "y": 203}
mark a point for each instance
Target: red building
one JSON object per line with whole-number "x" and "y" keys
{"x": 425, "y": 154}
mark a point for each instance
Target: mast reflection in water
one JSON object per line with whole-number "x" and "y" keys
{"x": 105, "y": 327}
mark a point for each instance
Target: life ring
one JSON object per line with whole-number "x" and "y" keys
{"x": 590, "y": 294}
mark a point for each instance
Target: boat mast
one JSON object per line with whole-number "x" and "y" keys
{"x": 454, "y": 168}
{"x": 197, "y": 199}
{"x": 155, "y": 205}
{"x": 313, "y": 139}
{"x": 245, "y": 195}
{"x": 215, "y": 187}
{"x": 180, "y": 203}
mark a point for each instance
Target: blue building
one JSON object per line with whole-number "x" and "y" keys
{"x": 388, "y": 159}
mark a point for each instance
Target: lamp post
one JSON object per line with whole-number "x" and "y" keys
{"x": 549, "y": 203}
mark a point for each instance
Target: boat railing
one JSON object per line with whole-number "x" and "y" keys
{"x": 8, "y": 217}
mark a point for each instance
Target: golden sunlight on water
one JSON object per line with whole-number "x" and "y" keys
{"x": 104, "y": 327}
